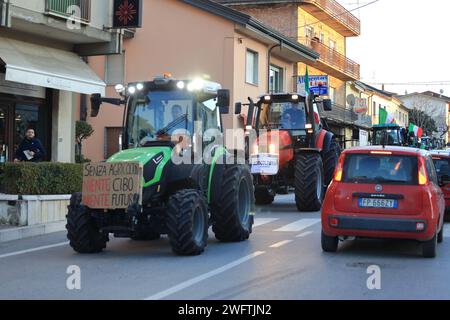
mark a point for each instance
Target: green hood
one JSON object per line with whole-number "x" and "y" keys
{"x": 142, "y": 155}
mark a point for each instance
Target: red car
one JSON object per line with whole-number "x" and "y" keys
{"x": 441, "y": 161}
{"x": 384, "y": 192}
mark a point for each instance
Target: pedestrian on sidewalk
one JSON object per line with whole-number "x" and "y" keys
{"x": 30, "y": 149}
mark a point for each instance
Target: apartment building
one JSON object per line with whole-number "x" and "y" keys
{"x": 44, "y": 77}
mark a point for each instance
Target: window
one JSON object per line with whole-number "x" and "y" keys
{"x": 431, "y": 171}
{"x": 276, "y": 79}
{"x": 333, "y": 44}
{"x": 251, "y": 72}
{"x": 371, "y": 169}
{"x": 309, "y": 32}
{"x": 333, "y": 94}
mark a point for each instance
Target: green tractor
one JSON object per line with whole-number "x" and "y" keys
{"x": 391, "y": 135}
{"x": 164, "y": 120}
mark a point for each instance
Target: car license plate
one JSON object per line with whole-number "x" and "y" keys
{"x": 378, "y": 203}
{"x": 265, "y": 164}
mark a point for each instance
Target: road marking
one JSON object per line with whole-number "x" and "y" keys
{"x": 280, "y": 244}
{"x": 304, "y": 234}
{"x": 299, "y": 225}
{"x": 12, "y": 254}
{"x": 191, "y": 282}
{"x": 262, "y": 221}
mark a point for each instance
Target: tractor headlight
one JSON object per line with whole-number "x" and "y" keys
{"x": 140, "y": 87}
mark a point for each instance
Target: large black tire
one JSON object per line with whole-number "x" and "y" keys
{"x": 330, "y": 159}
{"x": 188, "y": 222}
{"x": 309, "y": 182}
{"x": 82, "y": 231}
{"x": 233, "y": 219}
{"x": 429, "y": 248}
{"x": 329, "y": 244}
{"x": 263, "y": 196}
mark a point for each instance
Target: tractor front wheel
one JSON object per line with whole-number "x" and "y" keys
{"x": 309, "y": 182}
{"x": 188, "y": 222}
{"x": 233, "y": 218}
{"x": 82, "y": 231}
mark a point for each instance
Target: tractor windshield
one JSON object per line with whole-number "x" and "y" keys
{"x": 390, "y": 137}
{"x": 283, "y": 115}
{"x": 156, "y": 116}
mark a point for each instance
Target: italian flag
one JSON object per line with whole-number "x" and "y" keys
{"x": 418, "y": 132}
{"x": 385, "y": 117}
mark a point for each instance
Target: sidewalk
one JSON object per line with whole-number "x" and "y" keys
{"x": 8, "y": 233}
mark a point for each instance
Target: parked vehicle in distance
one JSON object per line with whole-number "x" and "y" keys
{"x": 441, "y": 161}
{"x": 384, "y": 192}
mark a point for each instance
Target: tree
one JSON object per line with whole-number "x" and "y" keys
{"x": 83, "y": 131}
{"x": 423, "y": 120}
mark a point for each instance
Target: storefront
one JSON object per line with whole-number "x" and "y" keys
{"x": 39, "y": 89}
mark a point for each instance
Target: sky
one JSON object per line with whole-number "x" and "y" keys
{"x": 402, "y": 41}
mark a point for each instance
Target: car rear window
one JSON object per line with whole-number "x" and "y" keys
{"x": 380, "y": 169}
{"x": 442, "y": 166}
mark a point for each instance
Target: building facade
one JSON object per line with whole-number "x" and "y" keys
{"x": 436, "y": 105}
{"x": 217, "y": 42}
{"x": 323, "y": 26}
{"x": 44, "y": 77}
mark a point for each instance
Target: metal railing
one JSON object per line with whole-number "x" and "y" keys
{"x": 339, "y": 13}
{"x": 340, "y": 114}
{"x": 333, "y": 58}
{"x": 76, "y": 9}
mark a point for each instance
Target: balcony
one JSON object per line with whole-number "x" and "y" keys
{"x": 78, "y": 9}
{"x": 334, "y": 15}
{"x": 332, "y": 62}
{"x": 340, "y": 114}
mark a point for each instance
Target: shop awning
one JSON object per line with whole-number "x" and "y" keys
{"x": 47, "y": 67}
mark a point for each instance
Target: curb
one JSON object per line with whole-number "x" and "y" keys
{"x": 18, "y": 233}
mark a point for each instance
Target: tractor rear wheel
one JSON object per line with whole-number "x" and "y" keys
{"x": 233, "y": 219}
{"x": 188, "y": 222}
{"x": 82, "y": 231}
{"x": 263, "y": 196}
{"x": 309, "y": 182}
{"x": 331, "y": 158}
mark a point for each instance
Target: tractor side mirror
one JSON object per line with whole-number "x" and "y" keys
{"x": 223, "y": 100}
{"x": 96, "y": 101}
{"x": 238, "y": 108}
{"x": 327, "y": 105}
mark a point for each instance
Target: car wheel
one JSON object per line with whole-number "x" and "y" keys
{"x": 329, "y": 244}
{"x": 429, "y": 247}
{"x": 440, "y": 236}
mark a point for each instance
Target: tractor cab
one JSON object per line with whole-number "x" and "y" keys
{"x": 292, "y": 149}
{"x": 390, "y": 135}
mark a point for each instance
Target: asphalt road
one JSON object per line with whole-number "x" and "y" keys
{"x": 282, "y": 260}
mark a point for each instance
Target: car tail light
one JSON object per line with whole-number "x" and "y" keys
{"x": 420, "y": 226}
{"x": 334, "y": 222}
{"x": 422, "y": 174}
{"x": 339, "y": 170}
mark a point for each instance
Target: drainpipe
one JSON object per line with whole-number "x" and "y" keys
{"x": 268, "y": 63}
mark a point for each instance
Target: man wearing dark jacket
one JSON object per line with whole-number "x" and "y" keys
{"x": 30, "y": 149}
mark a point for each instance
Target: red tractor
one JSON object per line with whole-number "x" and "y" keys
{"x": 290, "y": 147}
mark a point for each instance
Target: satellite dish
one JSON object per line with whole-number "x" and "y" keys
{"x": 351, "y": 100}
{"x": 441, "y": 91}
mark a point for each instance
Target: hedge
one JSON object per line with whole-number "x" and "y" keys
{"x": 41, "y": 178}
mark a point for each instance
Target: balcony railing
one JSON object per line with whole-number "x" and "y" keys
{"x": 339, "y": 13}
{"x": 333, "y": 58}
{"x": 340, "y": 114}
{"x": 76, "y": 9}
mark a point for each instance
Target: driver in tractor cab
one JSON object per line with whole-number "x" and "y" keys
{"x": 294, "y": 117}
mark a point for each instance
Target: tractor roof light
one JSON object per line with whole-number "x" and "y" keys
{"x": 295, "y": 97}
{"x": 181, "y": 85}
{"x": 308, "y": 126}
{"x": 140, "y": 86}
{"x": 132, "y": 90}
{"x": 267, "y": 98}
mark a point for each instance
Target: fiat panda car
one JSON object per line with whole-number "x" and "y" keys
{"x": 441, "y": 161}
{"x": 384, "y": 192}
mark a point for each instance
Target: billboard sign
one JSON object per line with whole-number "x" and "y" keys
{"x": 319, "y": 85}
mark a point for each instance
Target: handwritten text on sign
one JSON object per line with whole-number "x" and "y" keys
{"x": 111, "y": 185}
